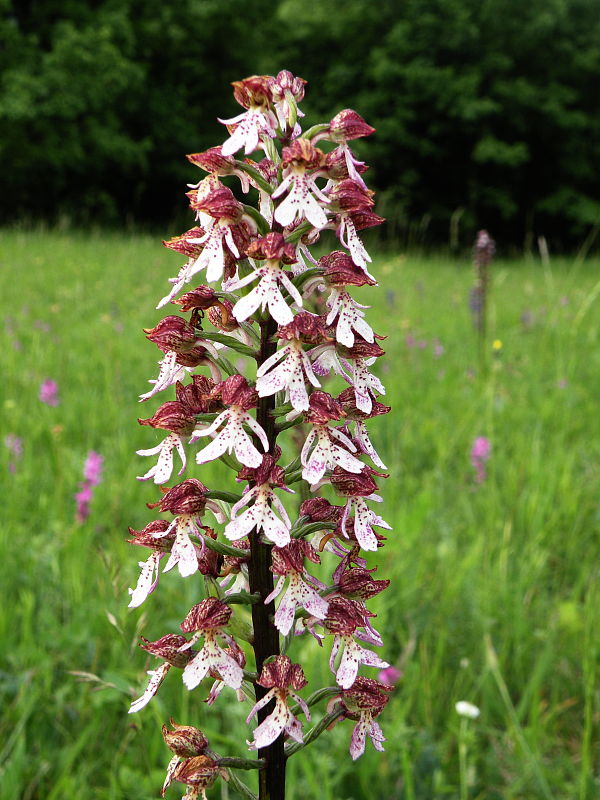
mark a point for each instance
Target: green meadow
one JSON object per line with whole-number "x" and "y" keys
{"x": 494, "y": 597}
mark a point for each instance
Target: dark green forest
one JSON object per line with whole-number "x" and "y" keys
{"x": 486, "y": 111}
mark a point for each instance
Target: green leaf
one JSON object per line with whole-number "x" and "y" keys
{"x": 230, "y": 341}
{"x": 263, "y": 225}
{"x": 311, "y": 132}
{"x": 255, "y": 175}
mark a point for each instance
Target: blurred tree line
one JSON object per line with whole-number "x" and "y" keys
{"x": 486, "y": 111}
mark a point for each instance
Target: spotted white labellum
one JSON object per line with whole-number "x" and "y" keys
{"x": 261, "y": 516}
{"x": 293, "y": 366}
{"x": 326, "y": 454}
{"x": 232, "y": 438}
{"x": 266, "y": 294}
{"x": 161, "y": 471}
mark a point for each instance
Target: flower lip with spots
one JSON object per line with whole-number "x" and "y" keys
{"x": 363, "y": 701}
{"x": 207, "y": 619}
{"x": 288, "y": 563}
{"x": 277, "y": 676}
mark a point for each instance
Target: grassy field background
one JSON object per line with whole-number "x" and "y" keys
{"x": 494, "y": 597}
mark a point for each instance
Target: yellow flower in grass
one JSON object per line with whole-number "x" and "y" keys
{"x": 497, "y": 345}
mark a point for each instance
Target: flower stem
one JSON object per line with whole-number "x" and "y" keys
{"x": 266, "y": 636}
{"x": 315, "y": 732}
{"x": 462, "y": 759}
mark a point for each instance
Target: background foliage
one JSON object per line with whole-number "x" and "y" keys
{"x": 495, "y": 596}
{"x": 486, "y": 110}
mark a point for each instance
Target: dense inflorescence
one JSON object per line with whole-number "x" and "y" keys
{"x": 272, "y": 324}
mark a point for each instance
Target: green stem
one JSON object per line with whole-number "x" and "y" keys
{"x": 315, "y": 732}
{"x": 241, "y": 763}
{"x": 462, "y": 759}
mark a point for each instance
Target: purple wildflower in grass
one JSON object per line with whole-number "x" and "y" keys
{"x": 480, "y": 452}
{"x": 92, "y": 469}
{"x": 49, "y": 392}
{"x": 92, "y": 473}
{"x": 40, "y": 325}
{"x": 483, "y": 253}
{"x": 438, "y": 349}
{"x": 389, "y": 676}
{"x": 83, "y": 498}
{"x": 14, "y": 445}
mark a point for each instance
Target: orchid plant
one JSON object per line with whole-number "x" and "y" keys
{"x": 483, "y": 255}
{"x": 270, "y": 323}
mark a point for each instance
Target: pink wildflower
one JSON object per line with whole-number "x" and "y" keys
{"x": 49, "y": 392}
{"x": 14, "y": 445}
{"x": 92, "y": 469}
{"x": 83, "y": 498}
{"x": 389, "y": 676}
{"x": 480, "y": 452}
{"x": 92, "y": 473}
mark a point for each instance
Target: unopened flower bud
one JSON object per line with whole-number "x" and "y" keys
{"x": 213, "y": 161}
{"x": 358, "y": 584}
{"x": 169, "y": 649}
{"x": 286, "y": 82}
{"x": 221, "y": 203}
{"x": 173, "y": 334}
{"x": 347, "y": 125}
{"x": 348, "y": 195}
{"x": 350, "y": 484}
{"x": 172, "y": 416}
{"x": 184, "y": 740}
{"x": 340, "y": 270}
{"x": 188, "y": 497}
{"x": 321, "y": 510}
{"x": 182, "y": 244}
{"x": 202, "y": 297}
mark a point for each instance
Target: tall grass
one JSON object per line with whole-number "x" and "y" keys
{"x": 494, "y": 596}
